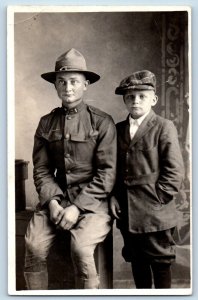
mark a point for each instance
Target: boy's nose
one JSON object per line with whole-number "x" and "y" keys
{"x": 136, "y": 99}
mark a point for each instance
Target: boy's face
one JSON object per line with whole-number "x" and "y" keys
{"x": 139, "y": 102}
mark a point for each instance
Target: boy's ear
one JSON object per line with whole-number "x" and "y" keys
{"x": 155, "y": 99}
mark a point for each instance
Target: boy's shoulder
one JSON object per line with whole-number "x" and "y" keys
{"x": 162, "y": 120}
{"x": 153, "y": 118}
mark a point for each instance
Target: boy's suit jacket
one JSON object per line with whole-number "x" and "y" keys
{"x": 149, "y": 175}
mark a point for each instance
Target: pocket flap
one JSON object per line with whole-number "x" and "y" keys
{"x": 52, "y": 136}
{"x": 78, "y": 138}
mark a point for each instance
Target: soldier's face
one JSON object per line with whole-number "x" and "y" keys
{"x": 139, "y": 102}
{"x": 70, "y": 87}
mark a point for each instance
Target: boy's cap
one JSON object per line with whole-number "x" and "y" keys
{"x": 140, "y": 80}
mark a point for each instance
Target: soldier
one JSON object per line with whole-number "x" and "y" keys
{"x": 74, "y": 159}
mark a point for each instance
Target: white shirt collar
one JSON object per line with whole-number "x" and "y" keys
{"x": 139, "y": 120}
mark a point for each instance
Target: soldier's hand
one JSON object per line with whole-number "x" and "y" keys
{"x": 56, "y": 211}
{"x": 115, "y": 207}
{"x": 69, "y": 217}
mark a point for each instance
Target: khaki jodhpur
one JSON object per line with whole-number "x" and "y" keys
{"x": 90, "y": 230}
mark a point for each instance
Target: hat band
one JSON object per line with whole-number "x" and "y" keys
{"x": 66, "y": 68}
{"x": 138, "y": 87}
{"x": 141, "y": 87}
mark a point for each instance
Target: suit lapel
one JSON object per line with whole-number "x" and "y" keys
{"x": 148, "y": 122}
{"x": 127, "y": 138}
{"x": 123, "y": 133}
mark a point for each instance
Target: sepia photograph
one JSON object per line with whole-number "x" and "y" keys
{"x": 99, "y": 150}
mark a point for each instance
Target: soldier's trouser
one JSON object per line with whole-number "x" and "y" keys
{"x": 90, "y": 230}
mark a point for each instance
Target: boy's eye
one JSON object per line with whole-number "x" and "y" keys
{"x": 142, "y": 96}
{"x": 73, "y": 81}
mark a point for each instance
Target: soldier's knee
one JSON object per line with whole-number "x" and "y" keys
{"x": 34, "y": 247}
{"x": 81, "y": 252}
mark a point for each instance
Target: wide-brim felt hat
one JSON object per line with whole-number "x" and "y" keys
{"x": 71, "y": 61}
{"x": 140, "y": 80}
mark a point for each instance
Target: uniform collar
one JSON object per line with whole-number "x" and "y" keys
{"x": 74, "y": 110}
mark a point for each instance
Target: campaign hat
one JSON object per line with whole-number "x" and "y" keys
{"x": 71, "y": 61}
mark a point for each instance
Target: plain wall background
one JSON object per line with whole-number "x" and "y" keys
{"x": 114, "y": 45}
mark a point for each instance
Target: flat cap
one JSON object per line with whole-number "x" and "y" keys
{"x": 140, "y": 80}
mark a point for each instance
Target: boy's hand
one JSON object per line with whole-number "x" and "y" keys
{"x": 115, "y": 207}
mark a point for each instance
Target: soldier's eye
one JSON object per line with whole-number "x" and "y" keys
{"x": 61, "y": 82}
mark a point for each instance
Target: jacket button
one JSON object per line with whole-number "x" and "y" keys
{"x": 67, "y": 136}
{"x": 67, "y": 155}
{"x": 69, "y": 118}
{"x": 69, "y": 186}
{"x": 68, "y": 171}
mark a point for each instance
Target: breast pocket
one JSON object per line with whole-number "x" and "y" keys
{"x": 52, "y": 136}
{"x": 143, "y": 145}
{"x": 84, "y": 146}
{"x": 54, "y": 141}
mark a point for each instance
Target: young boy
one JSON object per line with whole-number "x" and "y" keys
{"x": 149, "y": 175}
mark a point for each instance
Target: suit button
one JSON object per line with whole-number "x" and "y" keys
{"x": 67, "y": 136}
{"x": 69, "y": 118}
{"x": 69, "y": 186}
{"x": 67, "y": 155}
{"x": 127, "y": 170}
{"x": 68, "y": 171}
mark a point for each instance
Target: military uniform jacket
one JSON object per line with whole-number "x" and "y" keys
{"x": 149, "y": 175}
{"x": 75, "y": 155}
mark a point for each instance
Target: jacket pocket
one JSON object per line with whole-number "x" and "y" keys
{"x": 52, "y": 136}
{"x": 163, "y": 196}
{"x": 83, "y": 147}
{"x": 55, "y": 147}
{"x": 145, "y": 147}
{"x": 153, "y": 201}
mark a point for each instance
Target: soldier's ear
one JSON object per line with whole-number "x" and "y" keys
{"x": 87, "y": 82}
